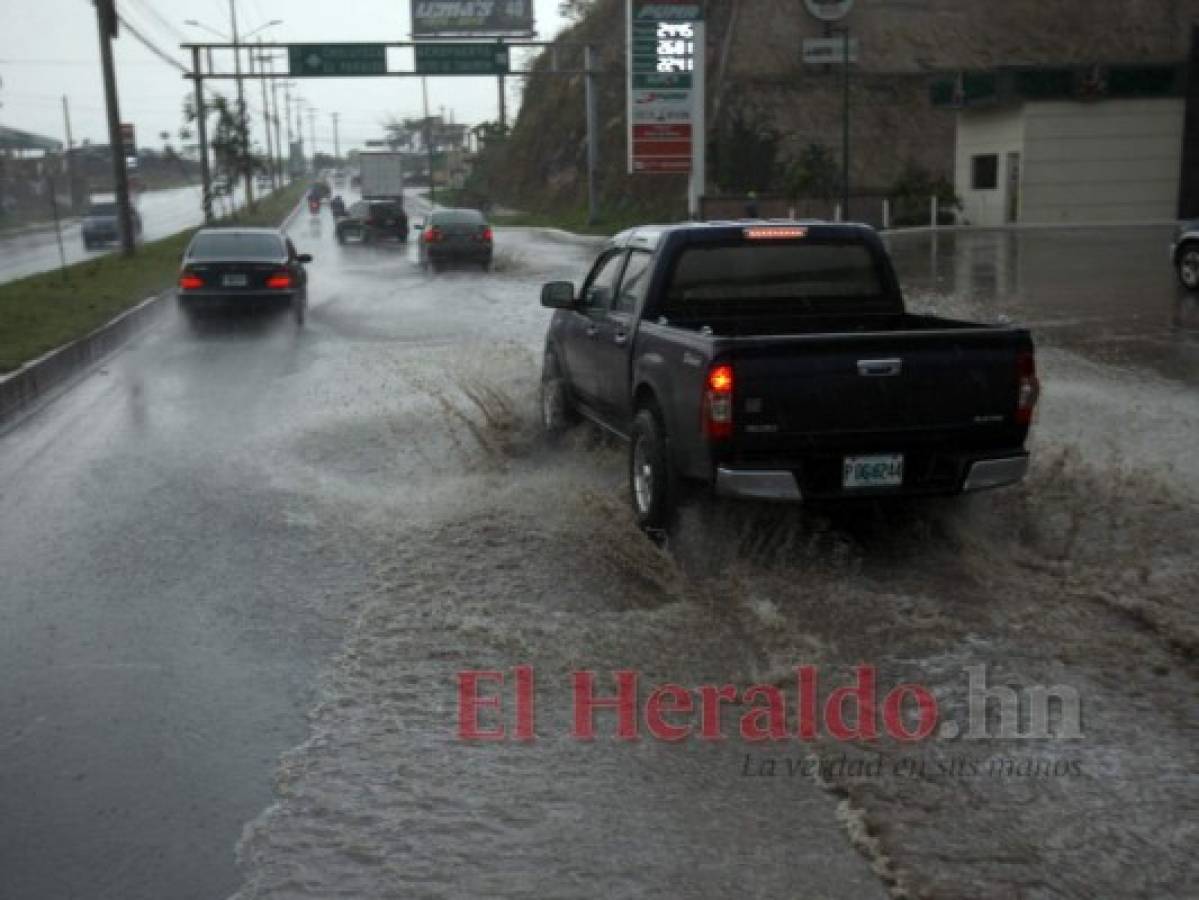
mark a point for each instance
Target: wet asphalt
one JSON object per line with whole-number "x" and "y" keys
{"x": 163, "y": 213}
{"x": 186, "y": 535}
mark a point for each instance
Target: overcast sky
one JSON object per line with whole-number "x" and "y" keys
{"x": 49, "y": 48}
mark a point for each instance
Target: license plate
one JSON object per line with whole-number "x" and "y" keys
{"x": 234, "y": 281}
{"x": 873, "y": 471}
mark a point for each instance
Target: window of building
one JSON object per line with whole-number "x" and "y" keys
{"x": 985, "y": 175}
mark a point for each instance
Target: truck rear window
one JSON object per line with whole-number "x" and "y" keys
{"x": 791, "y": 277}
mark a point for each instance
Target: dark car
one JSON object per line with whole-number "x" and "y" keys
{"x": 243, "y": 268}
{"x": 101, "y": 225}
{"x": 456, "y": 235}
{"x": 374, "y": 220}
{"x": 1184, "y": 254}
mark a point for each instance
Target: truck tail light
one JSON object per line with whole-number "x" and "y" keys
{"x": 190, "y": 281}
{"x": 718, "y": 403}
{"x": 1028, "y": 388}
{"x": 279, "y": 281}
{"x": 432, "y": 235}
{"x": 485, "y": 236}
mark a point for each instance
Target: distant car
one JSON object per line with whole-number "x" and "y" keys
{"x": 373, "y": 220}
{"x": 337, "y": 206}
{"x": 1184, "y": 254}
{"x": 243, "y": 268}
{"x": 101, "y": 225}
{"x": 456, "y": 235}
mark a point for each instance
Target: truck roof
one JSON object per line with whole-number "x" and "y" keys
{"x": 648, "y": 237}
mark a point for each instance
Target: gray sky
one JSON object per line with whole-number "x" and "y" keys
{"x": 49, "y": 48}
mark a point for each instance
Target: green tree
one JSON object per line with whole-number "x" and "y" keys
{"x": 813, "y": 173}
{"x": 746, "y": 152}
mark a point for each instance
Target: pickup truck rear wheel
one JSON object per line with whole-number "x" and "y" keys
{"x": 651, "y": 481}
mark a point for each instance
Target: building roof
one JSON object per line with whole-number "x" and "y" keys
{"x": 15, "y": 139}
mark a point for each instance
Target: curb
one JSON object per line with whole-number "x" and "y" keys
{"x": 22, "y": 390}
{"x": 29, "y": 385}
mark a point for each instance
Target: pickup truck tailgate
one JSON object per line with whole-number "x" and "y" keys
{"x": 906, "y": 383}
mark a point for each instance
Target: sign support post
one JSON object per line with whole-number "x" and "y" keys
{"x": 699, "y": 131}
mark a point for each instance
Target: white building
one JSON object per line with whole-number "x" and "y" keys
{"x": 1070, "y": 161}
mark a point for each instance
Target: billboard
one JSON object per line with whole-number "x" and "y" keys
{"x": 477, "y": 18}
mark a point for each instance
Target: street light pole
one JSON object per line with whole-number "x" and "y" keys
{"x": 241, "y": 105}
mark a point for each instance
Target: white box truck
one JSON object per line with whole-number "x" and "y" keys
{"x": 382, "y": 174}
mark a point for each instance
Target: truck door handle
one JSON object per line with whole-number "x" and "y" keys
{"x": 620, "y": 337}
{"x": 879, "y": 368}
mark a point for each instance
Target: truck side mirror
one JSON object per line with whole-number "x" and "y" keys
{"x": 558, "y": 295}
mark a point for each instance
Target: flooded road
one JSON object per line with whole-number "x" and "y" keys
{"x": 244, "y": 565}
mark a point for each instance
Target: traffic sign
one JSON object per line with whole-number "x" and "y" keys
{"x": 829, "y": 10}
{"x": 311, "y": 60}
{"x": 828, "y": 51}
{"x": 462, "y": 59}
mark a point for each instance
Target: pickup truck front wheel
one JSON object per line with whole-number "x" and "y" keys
{"x": 557, "y": 412}
{"x": 1188, "y": 266}
{"x": 650, "y": 476}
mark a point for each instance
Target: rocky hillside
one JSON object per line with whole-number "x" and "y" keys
{"x": 757, "y": 77}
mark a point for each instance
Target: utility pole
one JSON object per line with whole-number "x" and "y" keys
{"x": 106, "y": 16}
{"x": 66, "y": 117}
{"x": 424, "y": 89}
{"x": 287, "y": 119}
{"x": 241, "y": 105}
{"x": 278, "y": 134}
{"x": 312, "y": 111}
{"x": 336, "y": 137}
{"x": 592, "y": 133}
{"x": 202, "y": 136}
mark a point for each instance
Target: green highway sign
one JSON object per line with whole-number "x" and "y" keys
{"x": 307, "y": 60}
{"x": 461, "y": 59}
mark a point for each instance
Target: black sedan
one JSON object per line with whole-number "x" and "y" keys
{"x": 374, "y": 220}
{"x": 243, "y": 268}
{"x": 456, "y": 235}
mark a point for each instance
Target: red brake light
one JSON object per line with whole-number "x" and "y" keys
{"x": 432, "y": 235}
{"x": 189, "y": 281}
{"x": 486, "y": 236}
{"x": 774, "y": 233}
{"x": 718, "y": 403}
{"x": 1028, "y": 388}
{"x": 280, "y": 281}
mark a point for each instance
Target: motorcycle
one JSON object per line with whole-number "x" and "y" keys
{"x": 314, "y": 205}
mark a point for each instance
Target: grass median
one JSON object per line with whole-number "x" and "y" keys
{"x": 51, "y": 309}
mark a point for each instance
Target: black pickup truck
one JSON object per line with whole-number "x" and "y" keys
{"x": 777, "y": 361}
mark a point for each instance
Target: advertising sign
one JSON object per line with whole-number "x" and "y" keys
{"x": 471, "y": 18}
{"x": 661, "y": 104}
{"x": 129, "y": 139}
